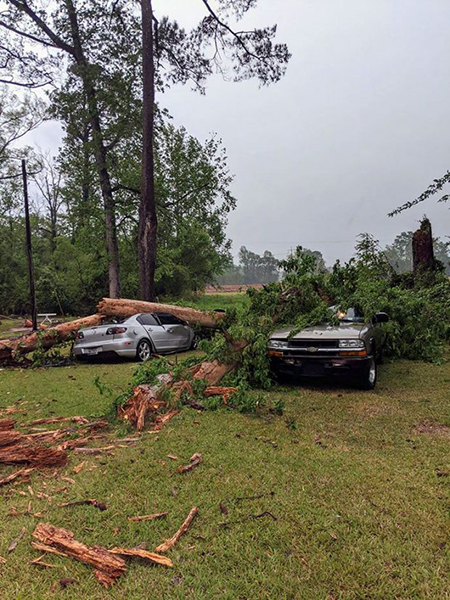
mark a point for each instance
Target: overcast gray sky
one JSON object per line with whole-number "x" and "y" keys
{"x": 358, "y": 125}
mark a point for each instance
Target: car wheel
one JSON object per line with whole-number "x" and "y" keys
{"x": 194, "y": 343}
{"x": 369, "y": 379}
{"x": 144, "y": 350}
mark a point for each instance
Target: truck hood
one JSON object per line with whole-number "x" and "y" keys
{"x": 323, "y": 332}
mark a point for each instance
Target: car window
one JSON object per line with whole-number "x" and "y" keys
{"x": 166, "y": 319}
{"x": 147, "y": 319}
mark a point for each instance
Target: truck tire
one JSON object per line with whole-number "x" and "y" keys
{"x": 369, "y": 378}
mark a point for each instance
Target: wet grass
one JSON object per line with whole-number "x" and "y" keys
{"x": 358, "y": 497}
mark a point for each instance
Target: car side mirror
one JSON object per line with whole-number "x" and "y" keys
{"x": 381, "y": 317}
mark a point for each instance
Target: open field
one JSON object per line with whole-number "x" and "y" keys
{"x": 358, "y": 483}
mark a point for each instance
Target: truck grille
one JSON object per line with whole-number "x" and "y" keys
{"x": 312, "y": 348}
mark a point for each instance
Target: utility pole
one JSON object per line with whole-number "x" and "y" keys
{"x": 28, "y": 245}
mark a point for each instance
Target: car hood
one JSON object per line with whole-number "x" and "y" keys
{"x": 322, "y": 332}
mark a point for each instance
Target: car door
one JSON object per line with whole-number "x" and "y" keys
{"x": 177, "y": 333}
{"x": 155, "y": 331}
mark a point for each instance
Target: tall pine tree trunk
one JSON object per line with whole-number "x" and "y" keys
{"x": 148, "y": 223}
{"x": 85, "y": 72}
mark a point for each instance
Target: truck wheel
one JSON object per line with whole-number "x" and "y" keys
{"x": 144, "y": 350}
{"x": 369, "y": 379}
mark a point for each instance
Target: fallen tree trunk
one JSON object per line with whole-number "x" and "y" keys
{"x": 11, "y": 348}
{"x": 127, "y": 308}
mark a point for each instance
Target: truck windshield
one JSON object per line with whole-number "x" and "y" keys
{"x": 351, "y": 315}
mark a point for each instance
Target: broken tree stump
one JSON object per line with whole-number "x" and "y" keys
{"x": 422, "y": 248}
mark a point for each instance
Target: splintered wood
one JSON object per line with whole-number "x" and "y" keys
{"x": 108, "y": 567}
{"x": 108, "y": 564}
{"x": 137, "y": 552}
{"x": 148, "y": 517}
{"x": 170, "y": 543}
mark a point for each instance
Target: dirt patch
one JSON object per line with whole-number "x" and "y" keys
{"x": 433, "y": 428}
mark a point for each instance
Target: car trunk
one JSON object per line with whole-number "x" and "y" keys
{"x": 95, "y": 335}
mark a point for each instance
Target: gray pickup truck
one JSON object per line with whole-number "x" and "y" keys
{"x": 350, "y": 349}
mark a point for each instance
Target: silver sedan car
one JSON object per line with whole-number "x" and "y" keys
{"x": 138, "y": 337}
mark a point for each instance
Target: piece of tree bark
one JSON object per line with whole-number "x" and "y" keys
{"x": 195, "y": 459}
{"x": 145, "y": 554}
{"x": 127, "y": 308}
{"x": 6, "y": 424}
{"x": 11, "y": 348}
{"x": 108, "y": 566}
{"x": 161, "y": 515}
{"x": 9, "y": 437}
{"x": 170, "y": 543}
{"x": 51, "y": 421}
{"x": 21, "y": 473}
{"x": 37, "y": 456}
{"x": 215, "y": 390}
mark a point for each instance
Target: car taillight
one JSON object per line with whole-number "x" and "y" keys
{"x": 115, "y": 330}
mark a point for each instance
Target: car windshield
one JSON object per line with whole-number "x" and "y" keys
{"x": 351, "y": 315}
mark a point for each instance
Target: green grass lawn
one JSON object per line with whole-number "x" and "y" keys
{"x": 360, "y": 508}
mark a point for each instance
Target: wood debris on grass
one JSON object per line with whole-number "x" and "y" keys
{"x": 13, "y": 544}
{"x": 23, "y": 473}
{"x": 77, "y": 468}
{"x": 170, "y": 543}
{"x": 7, "y": 424}
{"x": 160, "y": 515}
{"x": 89, "y": 502}
{"x": 2, "y": 560}
{"x": 94, "y": 451}
{"x": 108, "y": 567}
{"x": 38, "y": 561}
{"x": 108, "y": 564}
{"x": 195, "y": 459}
{"x": 145, "y": 554}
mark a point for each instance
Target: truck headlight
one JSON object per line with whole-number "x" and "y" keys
{"x": 277, "y": 344}
{"x": 359, "y": 344}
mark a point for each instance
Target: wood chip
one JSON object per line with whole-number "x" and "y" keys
{"x": 170, "y": 543}
{"x": 2, "y": 560}
{"x": 148, "y": 517}
{"x": 68, "y": 479}
{"x": 195, "y": 459}
{"x": 78, "y": 468}
{"x": 172, "y": 456}
{"x": 145, "y": 554}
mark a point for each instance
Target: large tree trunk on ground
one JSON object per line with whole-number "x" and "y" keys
{"x": 127, "y": 308}
{"x": 11, "y": 348}
{"x": 422, "y": 247}
{"x": 148, "y": 223}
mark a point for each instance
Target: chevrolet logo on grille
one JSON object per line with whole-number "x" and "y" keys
{"x": 312, "y": 349}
